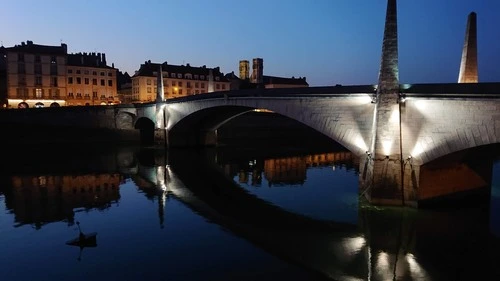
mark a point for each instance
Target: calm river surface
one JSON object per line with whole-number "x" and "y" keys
{"x": 234, "y": 213}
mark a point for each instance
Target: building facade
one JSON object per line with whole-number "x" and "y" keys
{"x": 178, "y": 81}
{"x": 35, "y": 75}
{"x": 124, "y": 87}
{"x": 90, "y": 81}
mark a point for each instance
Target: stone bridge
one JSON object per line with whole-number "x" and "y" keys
{"x": 395, "y": 128}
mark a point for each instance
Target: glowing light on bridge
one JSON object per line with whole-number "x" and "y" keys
{"x": 421, "y": 105}
{"x": 263, "y": 110}
{"x": 383, "y": 261}
{"x": 419, "y": 148}
{"x": 360, "y": 143}
{"x": 387, "y": 145}
{"x": 159, "y": 117}
{"x": 394, "y": 119}
{"x": 354, "y": 245}
{"x": 416, "y": 270}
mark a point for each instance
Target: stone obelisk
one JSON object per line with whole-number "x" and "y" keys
{"x": 383, "y": 181}
{"x": 160, "y": 132}
{"x": 160, "y": 96}
{"x": 468, "y": 65}
{"x": 388, "y": 77}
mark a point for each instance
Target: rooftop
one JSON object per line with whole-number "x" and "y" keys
{"x": 29, "y": 47}
{"x": 149, "y": 69}
{"x": 88, "y": 59}
{"x": 285, "y": 81}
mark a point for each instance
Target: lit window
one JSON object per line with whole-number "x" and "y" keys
{"x": 38, "y": 93}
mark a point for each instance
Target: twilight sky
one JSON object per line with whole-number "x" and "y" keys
{"x": 328, "y": 41}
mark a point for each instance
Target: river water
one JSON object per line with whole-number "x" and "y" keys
{"x": 231, "y": 213}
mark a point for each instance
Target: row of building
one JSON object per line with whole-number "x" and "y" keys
{"x": 33, "y": 75}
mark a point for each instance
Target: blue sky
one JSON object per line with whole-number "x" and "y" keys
{"x": 328, "y": 41}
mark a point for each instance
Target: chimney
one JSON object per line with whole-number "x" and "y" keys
{"x": 104, "y": 58}
{"x": 113, "y": 65}
{"x": 64, "y": 47}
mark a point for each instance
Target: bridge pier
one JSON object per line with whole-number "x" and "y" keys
{"x": 384, "y": 181}
{"x": 384, "y": 172}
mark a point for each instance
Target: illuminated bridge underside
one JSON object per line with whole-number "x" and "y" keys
{"x": 344, "y": 114}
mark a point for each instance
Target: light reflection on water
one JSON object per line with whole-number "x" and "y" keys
{"x": 283, "y": 216}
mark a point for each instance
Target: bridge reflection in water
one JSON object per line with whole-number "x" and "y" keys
{"x": 382, "y": 244}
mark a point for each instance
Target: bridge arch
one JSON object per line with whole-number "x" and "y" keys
{"x": 125, "y": 120}
{"x": 346, "y": 119}
{"x": 146, "y": 127}
{"x": 199, "y": 127}
{"x": 436, "y": 127}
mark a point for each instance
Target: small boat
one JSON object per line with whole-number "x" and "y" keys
{"x": 83, "y": 240}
